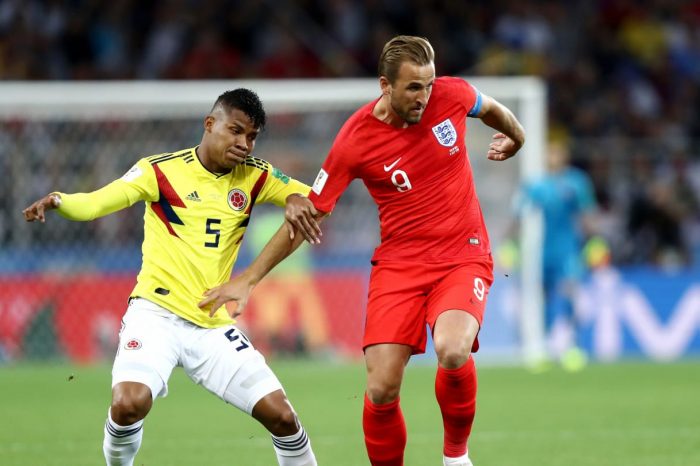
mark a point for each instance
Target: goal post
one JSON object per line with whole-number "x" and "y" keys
{"x": 76, "y": 136}
{"x": 527, "y": 97}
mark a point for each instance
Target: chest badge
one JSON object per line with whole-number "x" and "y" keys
{"x": 445, "y": 133}
{"x": 237, "y": 199}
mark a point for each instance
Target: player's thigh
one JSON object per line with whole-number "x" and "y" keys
{"x": 396, "y": 307}
{"x": 252, "y": 382}
{"x": 225, "y": 362}
{"x": 463, "y": 288}
{"x": 148, "y": 347}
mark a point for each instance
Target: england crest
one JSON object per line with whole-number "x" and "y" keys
{"x": 445, "y": 133}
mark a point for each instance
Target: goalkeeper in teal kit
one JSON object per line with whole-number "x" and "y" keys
{"x": 566, "y": 199}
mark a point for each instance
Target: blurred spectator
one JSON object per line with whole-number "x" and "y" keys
{"x": 79, "y": 54}
{"x": 654, "y": 227}
{"x": 165, "y": 40}
{"x": 658, "y": 211}
{"x": 209, "y": 58}
{"x": 111, "y": 37}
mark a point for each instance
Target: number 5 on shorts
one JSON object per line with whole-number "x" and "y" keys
{"x": 234, "y": 335}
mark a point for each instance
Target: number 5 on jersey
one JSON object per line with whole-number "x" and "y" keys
{"x": 211, "y": 223}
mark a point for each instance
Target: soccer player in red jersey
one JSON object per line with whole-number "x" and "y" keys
{"x": 434, "y": 262}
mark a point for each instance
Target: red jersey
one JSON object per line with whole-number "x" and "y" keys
{"x": 419, "y": 176}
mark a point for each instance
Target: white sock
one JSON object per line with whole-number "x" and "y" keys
{"x": 294, "y": 450}
{"x": 460, "y": 461}
{"x": 121, "y": 442}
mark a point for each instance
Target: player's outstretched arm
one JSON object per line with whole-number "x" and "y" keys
{"x": 238, "y": 289}
{"x": 511, "y": 136}
{"x": 37, "y": 210}
{"x": 300, "y": 215}
{"x": 84, "y": 207}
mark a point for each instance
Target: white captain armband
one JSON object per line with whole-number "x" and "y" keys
{"x": 56, "y": 199}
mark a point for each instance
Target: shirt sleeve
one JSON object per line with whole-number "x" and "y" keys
{"x": 466, "y": 94}
{"x": 139, "y": 183}
{"x": 278, "y": 187}
{"x": 334, "y": 177}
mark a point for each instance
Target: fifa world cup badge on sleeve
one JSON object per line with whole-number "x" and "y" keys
{"x": 133, "y": 173}
{"x": 320, "y": 181}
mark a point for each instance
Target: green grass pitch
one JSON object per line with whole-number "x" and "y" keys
{"x": 633, "y": 414}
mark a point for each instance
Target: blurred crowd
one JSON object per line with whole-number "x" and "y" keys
{"x": 623, "y": 75}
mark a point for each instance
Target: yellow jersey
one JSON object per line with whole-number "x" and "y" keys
{"x": 193, "y": 224}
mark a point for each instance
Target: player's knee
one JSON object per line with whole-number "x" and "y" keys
{"x": 130, "y": 403}
{"x": 285, "y": 423}
{"x": 453, "y": 356}
{"x": 382, "y": 393}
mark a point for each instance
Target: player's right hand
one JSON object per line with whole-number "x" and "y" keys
{"x": 502, "y": 148}
{"x": 300, "y": 215}
{"x": 37, "y": 210}
{"x": 234, "y": 294}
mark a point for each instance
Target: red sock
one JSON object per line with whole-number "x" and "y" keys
{"x": 455, "y": 390}
{"x": 385, "y": 433}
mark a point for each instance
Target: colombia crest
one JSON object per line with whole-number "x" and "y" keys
{"x": 237, "y": 199}
{"x": 132, "y": 344}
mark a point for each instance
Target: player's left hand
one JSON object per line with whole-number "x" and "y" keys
{"x": 300, "y": 215}
{"x": 234, "y": 294}
{"x": 37, "y": 211}
{"x": 502, "y": 148}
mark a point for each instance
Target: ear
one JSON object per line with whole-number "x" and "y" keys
{"x": 208, "y": 123}
{"x": 385, "y": 85}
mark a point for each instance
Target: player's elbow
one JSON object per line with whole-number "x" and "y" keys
{"x": 519, "y": 135}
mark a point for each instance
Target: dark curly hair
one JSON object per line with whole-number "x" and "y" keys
{"x": 247, "y": 102}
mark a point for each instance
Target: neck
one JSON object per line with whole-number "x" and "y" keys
{"x": 383, "y": 112}
{"x": 202, "y": 155}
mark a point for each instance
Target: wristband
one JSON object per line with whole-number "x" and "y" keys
{"x": 57, "y": 199}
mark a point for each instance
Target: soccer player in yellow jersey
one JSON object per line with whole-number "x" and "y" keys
{"x": 199, "y": 202}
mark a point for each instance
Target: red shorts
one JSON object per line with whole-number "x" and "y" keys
{"x": 405, "y": 296}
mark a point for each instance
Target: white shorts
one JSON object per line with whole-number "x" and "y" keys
{"x": 153, "y": 341}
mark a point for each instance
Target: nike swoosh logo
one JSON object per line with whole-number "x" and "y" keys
{"x": 386, "y": 169}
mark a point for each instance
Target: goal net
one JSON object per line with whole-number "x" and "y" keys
{"x": 64, "y": 285}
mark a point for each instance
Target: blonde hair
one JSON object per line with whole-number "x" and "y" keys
{"x": 401, "y": 49}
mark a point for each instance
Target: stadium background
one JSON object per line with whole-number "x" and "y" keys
{"x": 622, "y": 88}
